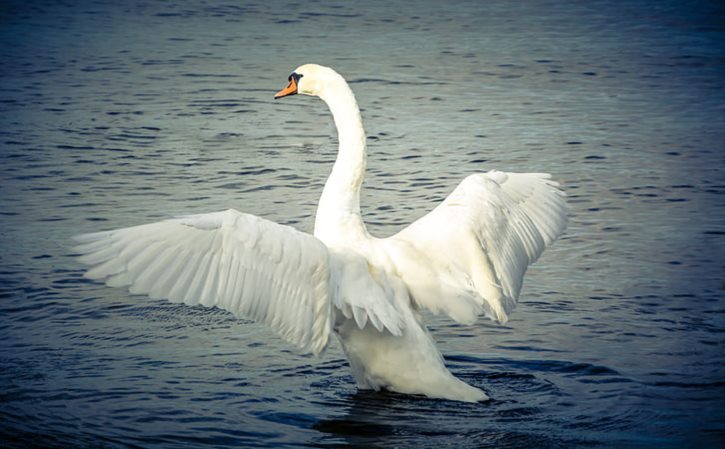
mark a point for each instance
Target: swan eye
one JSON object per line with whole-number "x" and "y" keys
{"x": 294, "y": 76}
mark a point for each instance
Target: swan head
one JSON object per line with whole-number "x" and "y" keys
{"x": 310, "y": 79}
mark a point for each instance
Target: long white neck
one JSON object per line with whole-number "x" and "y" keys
{"x": 338, "y": 213}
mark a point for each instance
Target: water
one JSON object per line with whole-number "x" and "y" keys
{"x": 122, "y": 113}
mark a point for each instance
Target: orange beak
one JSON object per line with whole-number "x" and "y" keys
{"x": 291, "y": 89}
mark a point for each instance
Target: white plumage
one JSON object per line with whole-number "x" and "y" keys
{"x": 238, "y": 262}
{"x": 465, "y": 258}
{"x": 474, "y": 248}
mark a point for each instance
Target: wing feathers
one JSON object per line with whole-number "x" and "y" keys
{"x": 470, "y": 254}
{"x": 466, "y": 257}
{"x": 241, "y": 263}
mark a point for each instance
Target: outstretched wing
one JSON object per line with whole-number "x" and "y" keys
{"x": 469, "y": 255}
{"x": 249, "y": 266}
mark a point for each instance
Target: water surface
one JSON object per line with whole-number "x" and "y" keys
{"x": 121, "y": 113}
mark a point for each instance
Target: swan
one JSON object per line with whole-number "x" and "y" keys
{"x": 466, "y": 258}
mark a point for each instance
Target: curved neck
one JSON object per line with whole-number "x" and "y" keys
{"x": 338, "y": 213}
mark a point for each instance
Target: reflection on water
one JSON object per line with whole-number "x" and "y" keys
{"x": 114, "y": 114}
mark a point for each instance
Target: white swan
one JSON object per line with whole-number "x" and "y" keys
{"x": 465, "y": 258}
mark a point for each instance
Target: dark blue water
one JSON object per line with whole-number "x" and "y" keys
{"x": 121, "y": 113}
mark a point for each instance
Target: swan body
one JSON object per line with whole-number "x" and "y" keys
{"x": 466, "y": 258}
